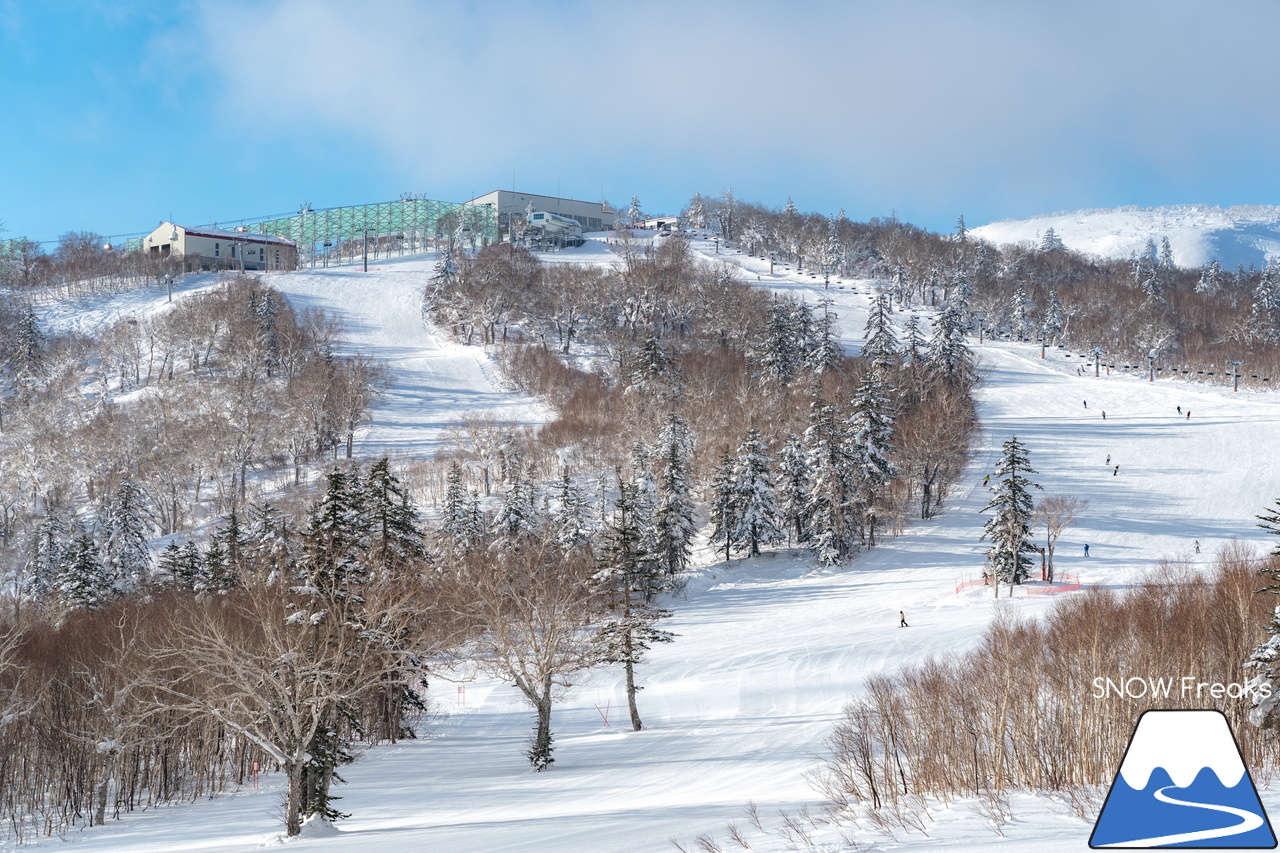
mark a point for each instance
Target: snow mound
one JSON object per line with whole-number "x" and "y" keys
{"x": 1197, "y": 233}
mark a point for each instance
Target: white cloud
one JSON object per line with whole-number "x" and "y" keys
{"x": 905, "y": 99}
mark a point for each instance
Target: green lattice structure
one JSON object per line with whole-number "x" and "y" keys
{"x": 416, "y": 220}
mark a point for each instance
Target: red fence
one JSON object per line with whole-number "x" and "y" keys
{"x": 1067, "y": 583}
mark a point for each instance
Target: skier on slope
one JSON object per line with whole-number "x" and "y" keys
{"x": 1086, "y": 549}
{"x": 902, "y": 620}
{"x": 1115, "y": 472}
{"x": 1108, "y": 458}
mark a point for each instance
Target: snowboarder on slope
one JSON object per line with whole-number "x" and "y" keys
{"x": 1104, "y": 414}
{"x": 1197, "y": 546}
{"x": 1086, "y": 404}
{"x": 1115, "y": 472}
{"x": 1086, "y": 549}
{"x": 902, "y": 620}
{"x": 986, "y": 481}
{"x": 1188, "y": 414}
{"x": 1108, "y": 458}
{"x": 1179, "y": 410}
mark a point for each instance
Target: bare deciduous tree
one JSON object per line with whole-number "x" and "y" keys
{"x": 1057, "y": 512}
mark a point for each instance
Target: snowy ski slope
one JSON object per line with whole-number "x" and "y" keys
{"x": 769, "y": 649}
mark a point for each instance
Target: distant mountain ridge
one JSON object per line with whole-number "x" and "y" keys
{"x": 1247, "y": 234}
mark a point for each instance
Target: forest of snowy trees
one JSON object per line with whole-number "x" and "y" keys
{"x": 1193, "y": 318}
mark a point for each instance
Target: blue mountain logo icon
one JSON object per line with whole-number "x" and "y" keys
{"x": 1183, "y": 783}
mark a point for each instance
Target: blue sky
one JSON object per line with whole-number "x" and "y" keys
{"x": 116, "y": 116}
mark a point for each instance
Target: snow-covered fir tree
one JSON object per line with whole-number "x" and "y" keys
{"x": 1211, "y": 278}
{"x": 1009, "y": 528}
{"x": 782, "y": 350}
{"x": 794, "y": 487}
{"x": 870, "y": 443}
{"x": 232, "y": 543}
{"x": 84, "y": 581}
{"x": 675, "y": 517}
{"x": 900, "y": 287}
{"x": 395, "y": 537}
{"x": 832, "y": 535}
{"x": 962, "y": 233}
{"x": 832, "y": 252}
{"x": 1265, "y": 311}
{"x": 460, "y": 515}
{"x": 271, "y": 541}
{"x": 1166, "y": 254}
{"x": 824, "y": 353}
{"x": 646, "y": 498}
{"x": 635, "y": 215}
{"x": 881, "y": 348}
{"x": 1055, "y": 317}
{"x": 125, "y": 552}
{"x": 336, "y": 538}
{"x": 913, "y": 341}
{"x": 1051, "y": 242}
{"x": 568, "y": 516}
{"x": 632, "y": 576}
{"x": 48, "y": 553}
{"x": 28, "y": 350}
{"x": 1021, "y": 309}
{"x": 947, "y": 352}
{"x": 722, "y": 501}
{"x": 518, "y": 517}
{"x": 757, "y": 518}
{"x": 696, "y": 213}
{"x": 652, "y": 368}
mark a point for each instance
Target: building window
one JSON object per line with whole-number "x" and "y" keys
{"x": 216, "y": 250}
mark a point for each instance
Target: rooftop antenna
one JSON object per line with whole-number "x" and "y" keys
{"x": 305, "y": 207}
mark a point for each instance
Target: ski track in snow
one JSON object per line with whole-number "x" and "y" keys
{"x": 769, "y": 650}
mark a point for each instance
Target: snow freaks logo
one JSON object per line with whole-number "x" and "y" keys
{"x": 1183, "y": 783}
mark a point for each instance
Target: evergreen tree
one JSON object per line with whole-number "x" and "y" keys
{"x": 696, "y": 214}
{"x": 723, "y": 502}
{"x": 900, "y": 287}
{"x": 947, "y": 352}
{"x": 1051, "y": 242}
{"x": 783, "y": 349}
{"x": 914, "y": 341}
{"x": 831, "y": 498}
{"x": 1009, "y": 528}
{"x": 518, "y": 517}
{"x": 125, "y": 552}
{"x": 635, "y": 215}
{"x": 1266, "y": 305}
{"x": 232, "y": 542}
{"x": 270, "y": 542}
{"x": 1054, "y": 317}
{"x": 832, "y": 253}
{"x": 217, "y": 573}
{"x": 794, "y": 488}
{"x": 674, "y": 518}
{"x": 1020, "y": 311}
{"x": 633, "y": 578}
{"x": 825, "y": 353}
{"x": 395, "y": 540}
{"x": 757, "y": 517}
{"x": 1166, "y": 254}
{"x": 48, "y": 556}
{"x": 881, "y": 348}
{"x": 569, "y": 518}
{"x": 333, "y": 566}
{"x": 1210, "y": 279}
{"x": 28, "y": 351}
{"x": 870, "y": 436}
{"x": 169, "y": 565}
{"x": 962, "y": 233}
{"x": 652, "y": 367}
{"x": 84, "y": 581}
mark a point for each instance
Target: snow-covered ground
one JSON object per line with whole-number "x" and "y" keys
{"x": 1198, "y": 234}
{"x": 769, "y": 649}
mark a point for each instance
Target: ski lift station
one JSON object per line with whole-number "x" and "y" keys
{"x": 218, "y": 248}
{"x": 509, "y": 205}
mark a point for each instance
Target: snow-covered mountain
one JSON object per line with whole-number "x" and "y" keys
{"x": 1198, "y": 234}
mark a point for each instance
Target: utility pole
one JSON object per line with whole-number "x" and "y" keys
{"x": 366, "y": 248}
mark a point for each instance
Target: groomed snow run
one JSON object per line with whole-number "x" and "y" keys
{"x": 769, "y": 650}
